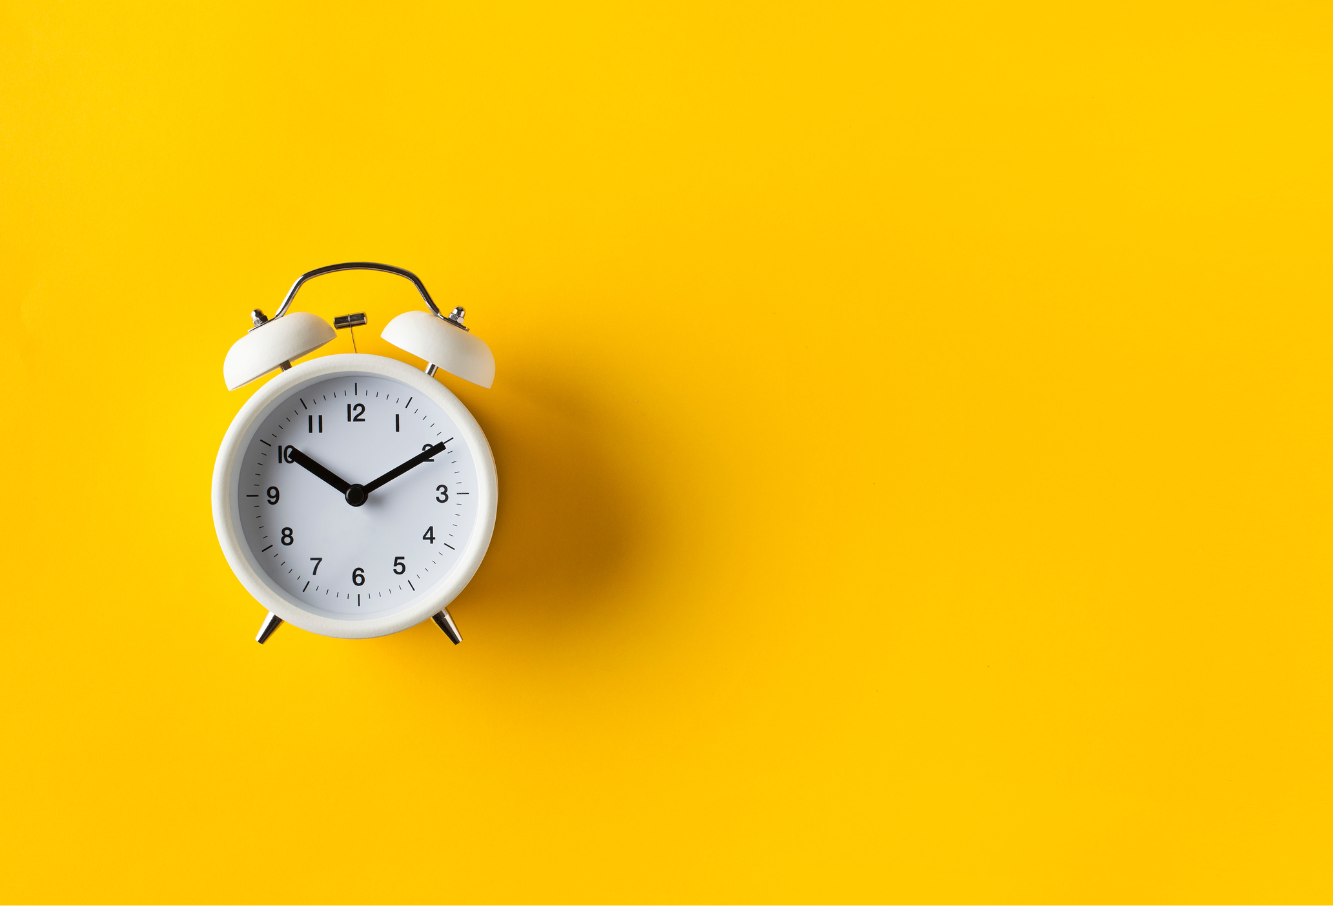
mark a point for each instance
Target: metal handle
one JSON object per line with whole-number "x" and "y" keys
{"x": 359, "y": 266}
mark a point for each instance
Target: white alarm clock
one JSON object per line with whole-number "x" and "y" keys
{"x": 354, "y": 495}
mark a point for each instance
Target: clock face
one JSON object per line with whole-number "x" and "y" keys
{"x": 321, "y": 552}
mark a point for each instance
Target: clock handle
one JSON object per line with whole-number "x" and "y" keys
{"x": 358, "y": 266}
{"x": 446, "y": 623}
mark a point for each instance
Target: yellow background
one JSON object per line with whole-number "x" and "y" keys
{"x": 912, "y": 425}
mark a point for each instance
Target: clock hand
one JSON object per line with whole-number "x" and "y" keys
{"x": 316, "y": 469}
{"x": 410, "y": 464}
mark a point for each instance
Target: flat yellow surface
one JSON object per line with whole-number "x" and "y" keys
{"x": 912, "y": 424}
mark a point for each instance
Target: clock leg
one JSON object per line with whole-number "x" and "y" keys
{"x": 271, "y": 622}
{"x": 446, "y": 622}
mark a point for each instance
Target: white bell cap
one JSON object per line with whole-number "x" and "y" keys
{"x": 442, "y": 343}
{"x": 274, "y": 342}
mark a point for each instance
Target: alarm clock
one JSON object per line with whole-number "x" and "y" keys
{"x": 353, "y": 495}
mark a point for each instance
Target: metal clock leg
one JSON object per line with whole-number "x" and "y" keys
{"x": 271, "y": 622}
{"x": 446, "y": 623}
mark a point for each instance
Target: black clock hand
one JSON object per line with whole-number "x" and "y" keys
{"x": 296, "y": 456}
{"x": 410, "y": 464}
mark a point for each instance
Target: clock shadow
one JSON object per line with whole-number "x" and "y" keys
{"x": 569, "y": 524}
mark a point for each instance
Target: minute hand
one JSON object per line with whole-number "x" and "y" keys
{"x": 399, "y": 470}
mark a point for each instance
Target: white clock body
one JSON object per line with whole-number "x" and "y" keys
{"x": 295, "y": 542}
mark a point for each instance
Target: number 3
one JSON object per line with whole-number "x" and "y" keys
{"x": 442, "y": 489}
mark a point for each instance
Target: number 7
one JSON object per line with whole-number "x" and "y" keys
{"x": 318, "y": 561}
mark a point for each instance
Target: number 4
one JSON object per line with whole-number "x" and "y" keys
{"x": 430, "y": 535}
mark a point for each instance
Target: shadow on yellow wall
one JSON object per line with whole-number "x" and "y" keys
{"x": 569, "y": 525}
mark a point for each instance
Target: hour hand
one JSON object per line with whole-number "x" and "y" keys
{"x": 317, "y": 470}
{"x": 412, "y": 463}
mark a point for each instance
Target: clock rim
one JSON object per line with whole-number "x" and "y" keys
{"x": 226, "y": 516}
